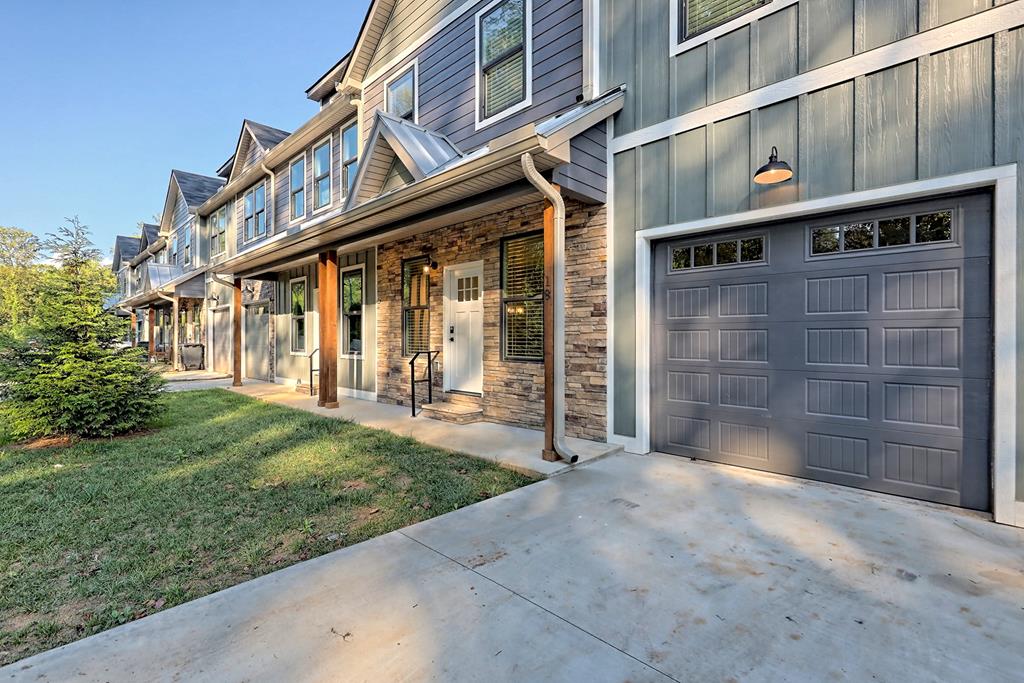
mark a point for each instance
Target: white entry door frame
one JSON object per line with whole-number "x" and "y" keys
{"x": 464, "y": 327}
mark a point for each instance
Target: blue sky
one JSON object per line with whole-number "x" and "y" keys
{"x": 102, "y": 98}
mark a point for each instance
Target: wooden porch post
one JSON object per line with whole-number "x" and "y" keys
{"x": 175, "y": 332}
{"x": 133, "y": 335}
{"x": 327, "y": 301}
{"x": 549, "y": 453}
{"x": 152, "y": 333}
{"x": 236, "y": 333}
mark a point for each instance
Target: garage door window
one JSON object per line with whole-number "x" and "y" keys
{"x": 897, "y": 231}
{"x": 747, "y": 250}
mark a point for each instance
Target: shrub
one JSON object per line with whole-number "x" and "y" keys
{"x": 67, "y": 375}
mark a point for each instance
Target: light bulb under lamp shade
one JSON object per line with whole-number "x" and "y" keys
{"x": 774, "y": 171}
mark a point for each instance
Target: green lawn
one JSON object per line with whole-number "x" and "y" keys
{"x": 223, "y": 489}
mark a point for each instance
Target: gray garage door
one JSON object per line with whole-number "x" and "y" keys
{"x": 257, "y": 341}
{"x": 854, "y": 349}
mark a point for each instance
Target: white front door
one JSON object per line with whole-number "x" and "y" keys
{"x": 464, "y": 327}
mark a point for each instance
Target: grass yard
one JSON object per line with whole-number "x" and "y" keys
{"x": 223, "y": 489}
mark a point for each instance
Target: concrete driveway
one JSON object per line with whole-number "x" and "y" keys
{"x": 627, "y": 569}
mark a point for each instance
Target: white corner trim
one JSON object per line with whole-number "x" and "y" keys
{"x": 675, "y": 46}
{"x": 414, "y": 65}
{"x": 969, "y": 29}
{"x": 477, "y": 75}
{"x": 1003, "y": 179}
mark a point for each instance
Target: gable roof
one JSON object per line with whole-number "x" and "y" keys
{"x": 395, "y": 145}
{"x": 196, "y": 188}
{"x": 150, "y": 234}
{"x": 266, "y": 137}
{"x": 370, "y": 33}
{"x": 324, "y": 85}
{"x": 125, "y": 249}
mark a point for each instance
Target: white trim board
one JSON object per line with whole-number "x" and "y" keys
{"x": 1003, "y": 179}
{"x": 969, "y": 29}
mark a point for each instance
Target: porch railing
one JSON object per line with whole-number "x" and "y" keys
{"x": 312, "y": 369}
{"x": 429, "y": 379}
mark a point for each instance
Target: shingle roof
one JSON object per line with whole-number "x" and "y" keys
{"x": 151, "y": 233}
{"x": 196, "y": 188}
{"x": 127, "y": 247}
{"x": 267, "y": 136}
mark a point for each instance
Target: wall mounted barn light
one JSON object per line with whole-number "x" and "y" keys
{"x": 430, "y": 265}
{"x": 774, "y": 171}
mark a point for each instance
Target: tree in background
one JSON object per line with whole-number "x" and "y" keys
{"x": 20, "y": 272}
{"x": 66, "y": 374}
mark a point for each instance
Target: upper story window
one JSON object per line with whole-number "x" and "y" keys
{"x": 218, "y": 224}
{"x": 187, "y": 244}
{"x": 401, "y": 94}
{"x": 349, "y": 157}
{"x": 503, "y": 61}
{"x": 172, "y": 256}
{"x": 698, "y": 16}
{"x": 255, "y": 212}
{"x": 297, "y": 188}
{"x": 322, "y": 175}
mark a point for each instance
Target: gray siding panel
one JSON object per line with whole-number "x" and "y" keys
{"x": 883, "y": 21}
{"x": 826, "y": 32}
{"x": 957, "y": 124}
{"x": 773, "y": 47}
{"x": 653, "y": 174}
{"x": 689, "y": 81}
{"x": 937, "y": 12}
{"x": 886, "y": 120}
{"x": 776, "y": 126}
{"x": 826, "y": 147}
{"x": 623, "y": 354}
{"x": 729, "y": 160}
{"x": 729, "y": 65}
{"x": 689, "y": 175}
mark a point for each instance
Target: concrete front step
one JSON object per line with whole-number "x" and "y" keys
{"x": 456, "y": 413}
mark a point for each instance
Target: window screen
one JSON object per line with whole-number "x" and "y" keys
{"x": 522, "y": 298}
{"x": 502, "y": 57}
{"x": 415, "y": 305}
{"x": 698, "y": 16}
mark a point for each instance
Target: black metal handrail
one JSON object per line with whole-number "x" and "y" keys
{"x": 312, "y": 369}
{"x": 431, "y": 355}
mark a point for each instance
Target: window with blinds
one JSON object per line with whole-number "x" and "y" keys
{"x": 698, "y": 16}
{"x": 415, "y": 305}
{"x": 522, "y": 297}
{"x": 502, "y": 57}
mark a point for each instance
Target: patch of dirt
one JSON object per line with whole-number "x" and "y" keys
{"x": 403, "y": 482}
{"x": 363, "y": 514}
{"x": 354, "y": 485}
{"x": 18, "y": 622}
{"x": 481, "y": 560}
{"x": 45, "y": 442}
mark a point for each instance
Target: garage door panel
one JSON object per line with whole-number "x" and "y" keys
{"x": 870, "y": 369}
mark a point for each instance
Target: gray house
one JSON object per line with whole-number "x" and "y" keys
{"x": 397, "y": 231}
{"x": 857, "y": 322}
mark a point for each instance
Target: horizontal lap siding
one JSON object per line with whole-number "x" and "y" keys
{"x": 446, "y": 63}
{"x": 181, "y": 224}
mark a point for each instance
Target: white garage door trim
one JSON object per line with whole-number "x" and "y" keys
{"x": 1003, "y": 179}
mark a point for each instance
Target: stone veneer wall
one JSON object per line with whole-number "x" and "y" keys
{"x": 513, "y": 392}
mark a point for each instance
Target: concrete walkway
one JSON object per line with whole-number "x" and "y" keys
{"x": 628, "y": 569}
{"x": 513, "y": 447}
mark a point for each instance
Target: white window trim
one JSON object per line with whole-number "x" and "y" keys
{"x": 477, "y": 74}
{"x": 305, "y": 189}
{"x": 266, "y": 212}
{"x": 676, "y": 46}
{"x": 329, "y": 139}
{"x": 305, "y": 317}
{"x": 415, "y": 66}
{"x": 342, "y": 332}
{"x": 352, "y": 122}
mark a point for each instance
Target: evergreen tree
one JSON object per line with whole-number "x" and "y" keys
{"x": 66, "y": 375}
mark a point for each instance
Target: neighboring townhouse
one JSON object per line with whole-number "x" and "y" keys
{"x": 398, "y": 231}
{"x": 163, "y": 285}
{"x": 856, "y": 323}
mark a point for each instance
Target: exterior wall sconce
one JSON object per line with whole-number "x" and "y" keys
{"x": 431, "y": 265}
{"x": 774, "y": 171}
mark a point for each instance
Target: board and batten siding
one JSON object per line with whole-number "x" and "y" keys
{"x": 955, "y": 110}
{"x": 447, "y": 73}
